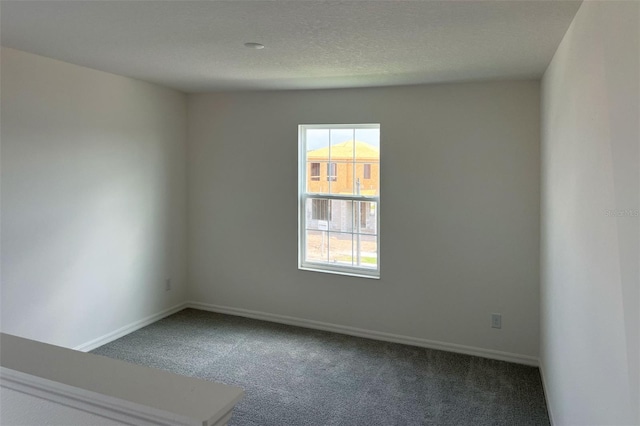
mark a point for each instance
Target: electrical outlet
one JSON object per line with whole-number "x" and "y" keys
{"x": 167, "y": 284}
{"x": 496, "y": 320}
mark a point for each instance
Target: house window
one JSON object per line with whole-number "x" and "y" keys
{"x": 367, "y": 171}
{"x": 320, "y": 209}
{"x": 332, "y": 172}
{"x": 339, "y": 222}
{"x": 315, "y": 171}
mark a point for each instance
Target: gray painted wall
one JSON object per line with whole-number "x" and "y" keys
{"x": 590, "y": 188}
{"x": 459, "y": 213}
{"x": 93, "y": 199}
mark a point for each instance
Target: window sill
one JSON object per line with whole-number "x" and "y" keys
{"x": 336, "y": 272}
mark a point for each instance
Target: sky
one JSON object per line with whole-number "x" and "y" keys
{"x": 319, "y": 138}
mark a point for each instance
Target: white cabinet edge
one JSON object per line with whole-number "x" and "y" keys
{"x": 92, "y": 402}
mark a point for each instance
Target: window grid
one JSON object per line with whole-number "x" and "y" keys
{"x": 364, "y": 208}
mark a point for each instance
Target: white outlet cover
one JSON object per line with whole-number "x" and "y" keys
{"x": 496, "y": 320}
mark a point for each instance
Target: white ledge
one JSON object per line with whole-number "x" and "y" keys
{"x": 112, "y": 388}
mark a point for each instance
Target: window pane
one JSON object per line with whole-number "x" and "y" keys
{"x": 317, "y": 152}
{"x": 364, "y": 185}
{"x": 317, "y": 139}
{"x": 367, "y": 145}
{"x": 342, "y": 183}
{"x": 367, "y": 174}
{"x": 318, "y": 213}
{"x": 366, "y": 217}
{"x": 341, "y": 248}
{"x": 342, "y": 156}
{"x": 367, "y": 246}
{"x": 316, "y": 246}
{"x": 341, "y": 216}
{"x": 342, "y": 144}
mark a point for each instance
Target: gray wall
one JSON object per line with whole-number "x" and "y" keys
{"x": 459, "y": 213}
{"x": 93, "y": 199}
{"x": 590, "y": 188}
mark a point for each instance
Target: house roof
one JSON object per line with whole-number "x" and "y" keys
{"x": 344, "y": 151}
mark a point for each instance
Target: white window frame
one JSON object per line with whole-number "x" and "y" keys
{"x": 303, "y": 195}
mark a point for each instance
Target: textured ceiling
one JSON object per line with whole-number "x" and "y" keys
{"x": 198, "y": 46}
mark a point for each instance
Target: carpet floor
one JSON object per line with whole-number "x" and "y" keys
{"x": 297, "y": 376}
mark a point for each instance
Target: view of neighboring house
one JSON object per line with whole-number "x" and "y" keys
{"x": 348, "y": 172}
{"x": 343, "y": 231}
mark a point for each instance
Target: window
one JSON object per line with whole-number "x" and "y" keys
{"x": 332, "y": 172}
{"x": 367, "y": 171}
{"x": 339, "y": 218}
{"x": 315, "y": 171}
{"x": 320, "y": 210}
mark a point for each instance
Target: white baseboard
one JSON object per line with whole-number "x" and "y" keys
{"x": 545, "y": 389}
{"x": 318, "y": 325}
{"x": 370, "y": 334}
{"x": 129, "y": 328}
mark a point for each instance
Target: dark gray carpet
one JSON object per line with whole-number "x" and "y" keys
{"x": 297, "y": 376}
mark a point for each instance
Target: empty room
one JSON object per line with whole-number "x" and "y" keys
{"x": 320, "y": 212}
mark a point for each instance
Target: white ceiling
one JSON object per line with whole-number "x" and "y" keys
{"x": 198, "y": 45}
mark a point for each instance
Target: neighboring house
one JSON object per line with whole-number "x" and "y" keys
{"x": 348, "y": 172}
{"x": 349, "y": 167}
